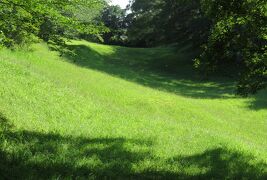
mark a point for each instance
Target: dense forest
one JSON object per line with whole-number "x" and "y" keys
{"x": 231, "y": 35}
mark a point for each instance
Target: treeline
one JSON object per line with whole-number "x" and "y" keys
{"x": 230, "y": 34}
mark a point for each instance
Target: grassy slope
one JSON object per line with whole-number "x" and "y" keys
{"x": 109, "y": 112}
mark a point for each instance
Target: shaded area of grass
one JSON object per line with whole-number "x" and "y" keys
{"x": 163, "y": 69}
{"x": 260, "y": 101}
{"x": 35, "y": 155}
{"x": 166, "y": 69}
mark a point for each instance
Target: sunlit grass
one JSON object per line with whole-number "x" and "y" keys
{"x": 117, "y": 112}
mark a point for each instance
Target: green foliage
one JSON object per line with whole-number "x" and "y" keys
{"x": 20, "y": 20}
{"x": 16, "y": 24}
{"x": 160, "y": 22}
{"x": 113, "y": 18}
{"x": 237, "y": 43}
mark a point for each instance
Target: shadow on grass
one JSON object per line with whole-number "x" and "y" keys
{"x": 260, "y": 101}
{"x": 34, "y": 155}
{"x": 166, "y": 69}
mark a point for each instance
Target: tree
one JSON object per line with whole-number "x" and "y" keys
{"x": 167, "y": 21}
{"x": 237, "y": 43}
{"x": 113, "y": 17}
{"x": 21, "y": 20}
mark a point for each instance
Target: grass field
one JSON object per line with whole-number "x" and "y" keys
{"x": 114, "y": 112}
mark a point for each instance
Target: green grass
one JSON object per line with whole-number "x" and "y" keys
{"x": 115, "y": 112}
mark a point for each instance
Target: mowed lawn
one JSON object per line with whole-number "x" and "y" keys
{"x": 113, "y": 112}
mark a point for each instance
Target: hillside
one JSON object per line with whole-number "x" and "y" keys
{"x": 109, "y": 111}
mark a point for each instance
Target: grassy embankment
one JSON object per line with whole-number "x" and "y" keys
{"x": 114, "y": 112}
